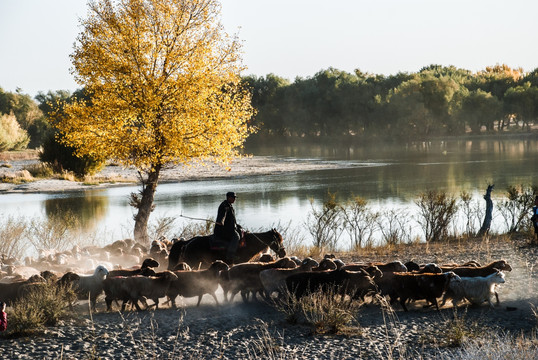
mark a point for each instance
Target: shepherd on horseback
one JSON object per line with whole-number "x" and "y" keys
{"x": 226, "y": 227}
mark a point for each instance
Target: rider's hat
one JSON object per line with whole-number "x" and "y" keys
{"x": 231, "y": 194}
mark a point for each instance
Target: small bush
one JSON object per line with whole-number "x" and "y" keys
{"x": 193, "y": 229}
{"x": 455, "y": 332}
{"x": 326, "y": 311}
{"x": 161, "y": 227}
{"x": 293, "y": 239}
{"x": 57, "y": 232}
{"x": 325, "y": 224}
{"x": 24, "y": 320}
{"x": 392, "y": 224}
{"x": 12, "y": 236}
{"x": 44, "y": 305}
{"x": 39, "y": 170}
{"x": 472, "y": 213}
{"x": 62, "y": 158}
{"x": 360, "y": 222}
{"x": 494, "y": 346}
{"x": 436, "y": 211}
{"x": 516, "y": 208}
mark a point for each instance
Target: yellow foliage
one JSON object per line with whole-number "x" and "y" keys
{"x": 164, "y": 85}
{"x": 504, "y": 71}
{"x": 12, "y": 136}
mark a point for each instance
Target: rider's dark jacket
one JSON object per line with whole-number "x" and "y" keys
{"x": 226, "y": 216}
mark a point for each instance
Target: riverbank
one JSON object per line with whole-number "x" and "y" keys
{"x": 17, "y": 179}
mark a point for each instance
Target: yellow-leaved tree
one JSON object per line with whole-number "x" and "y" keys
{"x": 164, "y": 89}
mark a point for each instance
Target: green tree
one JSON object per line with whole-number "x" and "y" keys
{"x": 26, "y": 112}
{"x": 55, "y": 152}
{"x": 522, "y": 102}
{"x": 479, "y": 108}
{"x": 268, "y": 100}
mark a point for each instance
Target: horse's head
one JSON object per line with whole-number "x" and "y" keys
{"x": 276, "y": 243}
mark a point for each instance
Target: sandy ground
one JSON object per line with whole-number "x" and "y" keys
{"x": 117, "y": 176}
{"x": 257, "y": 329}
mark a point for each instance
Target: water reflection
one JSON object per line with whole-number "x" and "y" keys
{"x": 88, "y": 208}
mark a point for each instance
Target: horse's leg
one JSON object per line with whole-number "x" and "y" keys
{"x": 245, "y": 294}
{"x": 215, "y": 297}
{"x": 232, "y": 294}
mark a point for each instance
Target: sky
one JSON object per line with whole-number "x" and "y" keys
{"x": 297, "y": 38}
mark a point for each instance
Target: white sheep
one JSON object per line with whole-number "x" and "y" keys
{"x": 475, "y": 289}
{"x": 88, "y": 285}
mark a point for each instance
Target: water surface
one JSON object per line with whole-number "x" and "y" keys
{"x": 389, "y": 177}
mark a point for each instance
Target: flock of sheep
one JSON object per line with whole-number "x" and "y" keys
{"x": 266, "y": 277}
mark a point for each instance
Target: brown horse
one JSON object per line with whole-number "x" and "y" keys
{"x": 197, "y": 253}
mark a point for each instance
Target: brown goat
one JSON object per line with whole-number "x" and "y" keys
{"x": 196, "y": 283}
{"x": 246, "y": 277}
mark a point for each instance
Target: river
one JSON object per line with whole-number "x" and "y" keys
{"x": 389, "y": 177}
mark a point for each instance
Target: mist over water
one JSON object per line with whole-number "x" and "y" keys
{"x": 389, "y": 177}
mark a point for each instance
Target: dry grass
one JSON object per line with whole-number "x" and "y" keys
{"x": 19, "y": 177}
{"x": 438, "y": 252}
{"x": 455, "y": 332}
{"x": 45, "y": 304}
{"x": 28, "y": 154}
{"x": 327, "y": 312}
{"x": 40, "y": 170}
{"x": 496, "y": 346}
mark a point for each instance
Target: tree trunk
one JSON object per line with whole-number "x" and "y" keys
{"x": 489, "y": 209}
{"x": 145, "y": 206}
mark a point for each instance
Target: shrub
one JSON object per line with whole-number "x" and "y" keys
{"x": 516, "y": 208}
{"x": 24, "y": 320}
{"x": 44, "y": 305}
{"x": 472, "y": 213}
{"x": 61, "y": 158}
{"x": 161, "y": 227}
{"x": 436, "y": 211}
{"x": 56, "y": 232}
{"x": 12, "y": 236}
{"x": 193, "y": 229}
{"x": 39, "y": 170}
{"x": 392, "y": 226}
{"x": 325, "y": 224}
{"x": 293, "y": 239}
{"x": 326, "y": 311}
{"x": 12, "y": 136}
{"x": 268, "y": 345}
{"x": 359, "y": 221}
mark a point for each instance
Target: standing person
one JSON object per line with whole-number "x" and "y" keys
{"x": 534, "y": 218}
{"x": 226, "y": 227}
{"x": 3, "y": 316}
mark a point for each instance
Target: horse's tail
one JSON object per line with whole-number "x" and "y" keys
{"x": 176, "y": 253}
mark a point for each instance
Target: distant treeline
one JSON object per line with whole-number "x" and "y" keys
{"x": 436, "y": 101}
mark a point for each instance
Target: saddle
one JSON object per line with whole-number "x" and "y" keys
{"x": 220, "y": 244}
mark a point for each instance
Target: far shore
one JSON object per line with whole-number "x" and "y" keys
{"x": 13, "y": 171}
